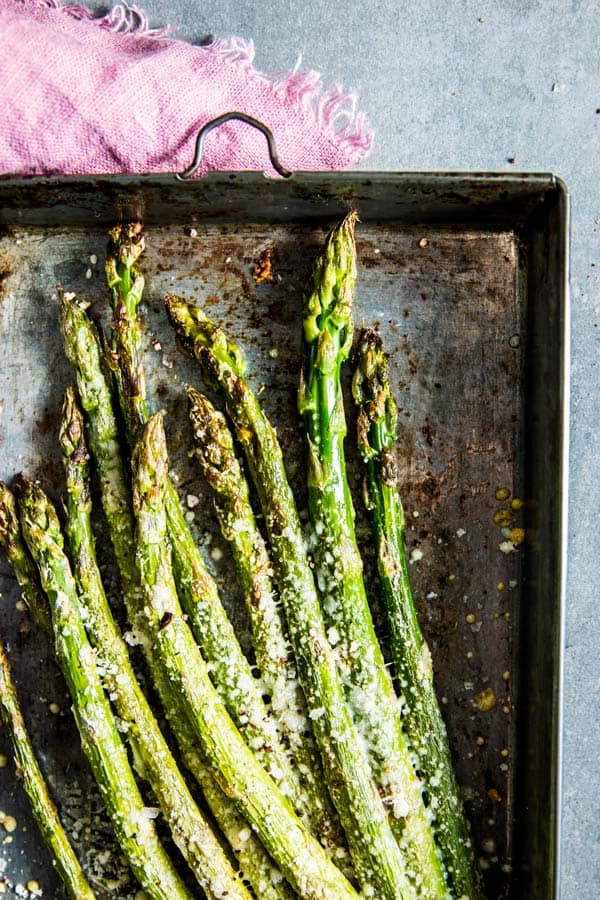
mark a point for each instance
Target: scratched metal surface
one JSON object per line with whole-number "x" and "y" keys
{"x": 454, "y": 304}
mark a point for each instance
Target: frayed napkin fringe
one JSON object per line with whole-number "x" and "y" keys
{"x": 123, "y": 18}
{"x": 333, "y": 111}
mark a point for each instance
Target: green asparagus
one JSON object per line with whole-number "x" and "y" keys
{"x": 367, "y": 682}
{"x": 82, "y": 347}
{"x": 83, "y": 350}
{"x": 126, "y": 244}
{"x": 160, "y": 620}
{"x": 377, "y": 426}
{"x": 189, "y": 828}
{"x": 100, "y": 739}
{"x": 198, "y": 593}
{"x": 44, "y": 811}
{"x": 256, "y": 866}
{"x": 378, "y": 862}
{"x": 20, "y": 560}
{"x": 274, "y": 656}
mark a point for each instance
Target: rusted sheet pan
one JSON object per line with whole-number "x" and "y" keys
{"x": 465, "y": 278}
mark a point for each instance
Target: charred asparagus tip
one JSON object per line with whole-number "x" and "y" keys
{"x": 8, "y": 514}
{"x": 127, "y": 242}
{"x": 201, "y": 411}
{"x": 195, "y": 331}
{"x": 213, "y": 440}
{"x": 377, "y": 411}
{"x": 71, "y": 434}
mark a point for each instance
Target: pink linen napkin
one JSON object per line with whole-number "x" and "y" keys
{"x": 84, "y": 95}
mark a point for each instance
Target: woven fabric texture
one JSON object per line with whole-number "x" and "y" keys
{"x": 85, "y": 95}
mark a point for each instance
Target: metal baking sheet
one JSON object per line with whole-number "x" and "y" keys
{"x": 465, "y": 276}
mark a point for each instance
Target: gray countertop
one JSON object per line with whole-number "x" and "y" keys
{"x": 470, "y": 85}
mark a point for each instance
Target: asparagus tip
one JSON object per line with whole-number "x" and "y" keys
{"x": 370, "y": 383}
{"x": 197, "y": 334}
{"x": 377, "y": 412}
{"x": 212, "y": 438}
{"x": 72, "y": 310}
{"x": 71, "y": 434}
{"x": 329, "y": 293}
{"x": 150, "y": 463}
{"x": 36, "y": 510}
{"x": 199, "y": 405}
{"x": 126, "y": 243}
{"x": 8, "y": 514}
{"x": 179, "y": 317}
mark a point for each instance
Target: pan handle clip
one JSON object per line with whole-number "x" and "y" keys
{"x": 226, "y": 117}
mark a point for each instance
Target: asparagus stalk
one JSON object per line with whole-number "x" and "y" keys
{"x": 367, "y": 682}
{"x": 215, "y": 452}
{"x": 44, "y": 811}
{"x": 297, "y": 852}
{"x": 191, "y": 832}
{"x": 422, "y": 718}
{"x": 82, "y": 347}
{"x": 231, "y": 672}
{"x": 100, "y": 739}
{"x": 126, "y": 243}
{"x": 20, "y": 559}
{"x": 377, "y": 859}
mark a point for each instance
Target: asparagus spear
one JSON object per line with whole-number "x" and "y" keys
{"x": 100, "y": 739}
{"x": 367, "y": 682}
{"x": 189, "y": 828}
{"x": 126, "y": 243}
{"x": 20, "y": 559}
{"x": 377, "y": 860}
{"x": 82, "y": 347}
{"x": 274, "y": 656}
{"x": 44, "y": 811}
{"x": 297, "y": 852}
{"x": 214, "y": 633}
{"x": 376, "y": 426}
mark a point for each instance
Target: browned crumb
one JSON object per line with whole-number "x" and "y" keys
{"x": 262, "y": 270}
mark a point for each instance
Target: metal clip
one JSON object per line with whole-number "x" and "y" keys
{"x": 226, "y": 117}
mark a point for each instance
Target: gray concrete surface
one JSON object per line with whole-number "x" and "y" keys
{"x": 468, "y": 84}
